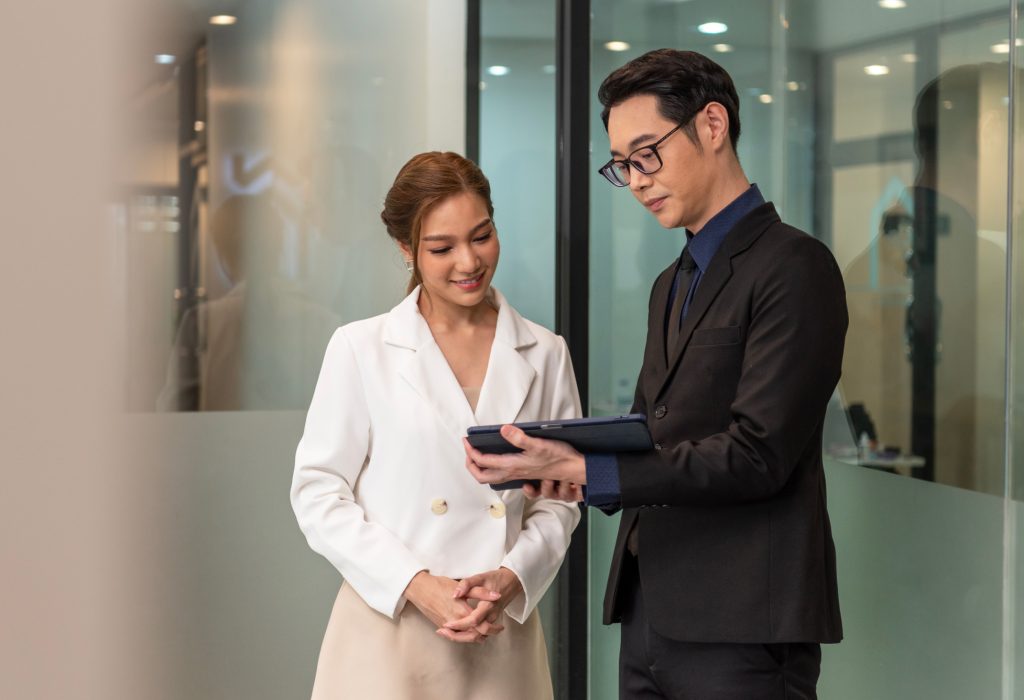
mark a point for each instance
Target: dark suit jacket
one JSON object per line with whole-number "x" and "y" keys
{"x": 734, "y": 537}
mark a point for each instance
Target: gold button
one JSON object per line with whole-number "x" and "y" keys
{"x": 497, "y": 510}
{"x": 439, "y": 506}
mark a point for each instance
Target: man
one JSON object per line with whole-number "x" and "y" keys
{"x": 723, "y": 575}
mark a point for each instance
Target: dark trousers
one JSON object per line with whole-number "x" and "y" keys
{"x": 653, "y": 666}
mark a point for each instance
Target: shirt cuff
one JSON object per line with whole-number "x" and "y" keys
{"x": 602, "y": 480}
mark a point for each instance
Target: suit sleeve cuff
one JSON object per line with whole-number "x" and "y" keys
{"x": 602, "y": 487}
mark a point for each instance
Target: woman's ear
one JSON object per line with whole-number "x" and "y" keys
{"x": 406, "y": 252}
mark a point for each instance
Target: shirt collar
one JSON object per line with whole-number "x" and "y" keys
{"x": 704, "y": 246}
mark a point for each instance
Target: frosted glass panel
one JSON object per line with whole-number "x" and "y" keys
{"x": 283, "y": 131}
{"x": 249, "y": 230}
{"x": 920, "y": 586}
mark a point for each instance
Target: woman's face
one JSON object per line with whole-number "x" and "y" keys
{"x": 458, "y": 251}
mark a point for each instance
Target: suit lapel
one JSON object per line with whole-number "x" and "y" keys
{"x": 428, "y": 373}
{"x": 507, "y": 381}
{"x": 744, "y": 234}
{"x": 425, "y": 369}
{"x": 662, "y": 289}
{"x": 509, "y": 375}
{"x": 719, "y": 272}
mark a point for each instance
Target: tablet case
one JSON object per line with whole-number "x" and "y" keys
{"x": 610, "y": 434}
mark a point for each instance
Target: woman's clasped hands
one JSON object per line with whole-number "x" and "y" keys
{"x": 467, "y": 610}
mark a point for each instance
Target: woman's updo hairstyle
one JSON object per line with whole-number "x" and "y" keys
{"x": 423, "y": 183}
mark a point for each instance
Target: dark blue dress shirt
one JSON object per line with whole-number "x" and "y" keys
{"x": 602, "y": 488}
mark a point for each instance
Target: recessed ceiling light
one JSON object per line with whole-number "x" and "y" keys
{"x": 164, "y": 59}
{"x": 199, "y": 125}
{"x": 498, "y": 70}
{"x": 876, "y": 69}
{"x": 1004, "y": 46}
{"x": 713, "y": 28}
{"x": 766, "y": 99}
{"x": 722, "y": 48}
{"x": 616, "y": 46}
{"x": 792, "y": 86}
{"x": 909, "y": 58}
{"x": 223, "y": 20}
{"x": 892, "y": 4}
{"x": 549, "y": 69}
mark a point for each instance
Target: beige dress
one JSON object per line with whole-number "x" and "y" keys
{"x": 368, "y": 655}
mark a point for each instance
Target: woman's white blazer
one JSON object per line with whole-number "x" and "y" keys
{"x": 380, "y": 485}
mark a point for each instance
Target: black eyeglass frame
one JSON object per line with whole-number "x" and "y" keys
{"x": 611, "y": 175}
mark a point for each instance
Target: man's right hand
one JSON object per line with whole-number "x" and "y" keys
{"x": 434, "y": 597}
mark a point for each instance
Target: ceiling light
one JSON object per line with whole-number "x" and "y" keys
{"x": 892, "y": 4}
{"x": 498, "y": 70}
{"x": 164, "y": 59}
{"x": 766, "y": 99}
{"x": 223, "y": 20}
{"x": 909, "y": 58}
{"x": 876, "y": 69}
{"x": 792, "y": 86}
{"x": 549, "y": 69}
{"x": 722, "y": 48}
{"x": 1004, "y": 46}
{"x": 616, "y": 46}
{"x": 199, "y": 125}
{"x": 713, "y": 28}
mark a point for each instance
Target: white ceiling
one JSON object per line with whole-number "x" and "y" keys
{"x": 813, "y": 24}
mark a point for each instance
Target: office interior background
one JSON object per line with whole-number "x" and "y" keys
{"x": 224, "y": 219}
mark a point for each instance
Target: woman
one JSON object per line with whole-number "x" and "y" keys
{"x": 380, "y": 487}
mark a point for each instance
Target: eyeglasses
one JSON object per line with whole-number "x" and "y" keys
{"x": 645, "y": 159}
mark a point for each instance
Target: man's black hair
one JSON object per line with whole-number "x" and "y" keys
{"x": 683, "y": 82}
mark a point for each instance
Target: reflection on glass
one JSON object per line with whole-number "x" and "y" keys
{"x": 923, "y": 372}
{"x": 258, "y": 346}
{"x": 882, "y": 130}
{"x": 277, "y": 135}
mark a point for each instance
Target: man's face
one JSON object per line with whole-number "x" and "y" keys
{"x": 678, "y": 193}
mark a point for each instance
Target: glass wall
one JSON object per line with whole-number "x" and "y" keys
{"x": 895, "y": 147}
{"x": 263, "y": 138}
{"x": 517, "y": 153}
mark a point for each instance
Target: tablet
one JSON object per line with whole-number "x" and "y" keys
{"x": 608, "y": 434}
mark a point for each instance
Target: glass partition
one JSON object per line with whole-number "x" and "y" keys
{"x": 263, "y": 137}
{"x": 893, "y": 146}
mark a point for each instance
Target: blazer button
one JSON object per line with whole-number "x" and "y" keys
{"x": 439, "y": 506}
{"x": 660, "y": 411}
{"x": 497, "y": 510}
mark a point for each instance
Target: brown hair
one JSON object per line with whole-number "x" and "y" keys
{"x": 423, "y": 183}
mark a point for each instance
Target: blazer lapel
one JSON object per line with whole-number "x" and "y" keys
{"x": 426, "y": 370}
{"x": 509, "y": 376}
{"x": 655, "y": 364}
{"x": 745, "y": 233}
{"x": 507, "y": 381}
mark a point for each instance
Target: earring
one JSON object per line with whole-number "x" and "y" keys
{"x": 409, "y": 265}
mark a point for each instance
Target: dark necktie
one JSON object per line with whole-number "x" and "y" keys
{"x": 675, "y": 316}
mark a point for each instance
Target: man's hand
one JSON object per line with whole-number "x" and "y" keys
{"x": 490, "y": 591}
{"x": 540, "y": 459}
{"x": 434, "y": 597}
{"x": 556, "y": 490}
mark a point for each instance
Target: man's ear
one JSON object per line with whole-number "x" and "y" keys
{"x": 717, "y": 119}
